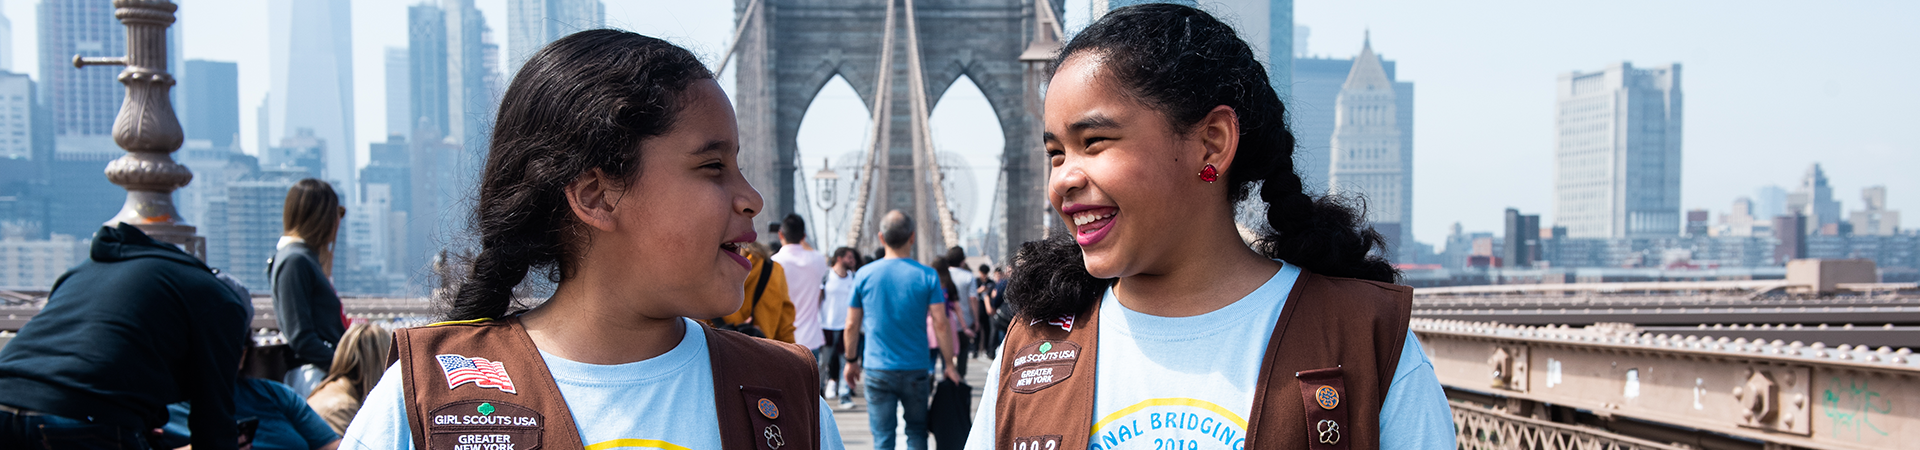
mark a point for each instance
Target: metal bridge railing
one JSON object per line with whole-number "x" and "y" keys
{"x": 1479, "y": 428}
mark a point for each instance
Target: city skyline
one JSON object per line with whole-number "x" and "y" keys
{"x": 1726, "y": 156}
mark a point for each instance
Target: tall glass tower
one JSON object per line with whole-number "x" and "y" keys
{"x": 1617, "y": 152}
{"x": 312, "y": 80}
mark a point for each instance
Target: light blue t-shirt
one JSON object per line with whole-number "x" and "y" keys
{"x": 658, "y": 403}
{"x": 1188, "y": 382}
{"x": 893, "y": 295}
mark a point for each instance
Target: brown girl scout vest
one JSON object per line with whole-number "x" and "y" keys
{"x": 482, "y": 386}
{"x": 1321, "y": 385}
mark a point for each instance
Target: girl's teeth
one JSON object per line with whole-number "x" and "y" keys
{"x": 1083, "y": 219}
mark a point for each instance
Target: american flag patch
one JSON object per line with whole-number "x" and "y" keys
{"x": 1065, "y": 323}
{"x": 479, "y": 371}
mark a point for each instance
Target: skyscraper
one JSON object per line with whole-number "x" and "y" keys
{"x": 210, "y": 101}
{"x": 1876, "y": 219}
{"x": 16, "y": 116}
{"x": 1814, "y": 201}
{"x": 461, "y": 69}
{"x": 1316, "y": 88}
{"x": 399, "y": 97}
{"x": 427, "y": 68}
{"x": 1368, "y": 158}
{"x": 85, "y": 100}
{"x": 312, "y": 79}
{"x": 254, "y": 207}
{"x": 531, "y": 24}
{"x": 1280, "y": 46}
{"x": 1522, "y": 240}
{"x": 1266, "y": 25}
{"x": 6, "y": 43}
{"x": 1617, "y": 152}
{"x": 467, "y": 90}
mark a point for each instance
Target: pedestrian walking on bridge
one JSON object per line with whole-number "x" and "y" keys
{"x": 893, "y": 299}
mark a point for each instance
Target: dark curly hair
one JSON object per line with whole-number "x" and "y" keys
{"x": 583, "y": 102}
{"x": 1184, "y": 62}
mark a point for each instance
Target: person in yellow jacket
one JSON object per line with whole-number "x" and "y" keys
{"x": 773, "y": 312}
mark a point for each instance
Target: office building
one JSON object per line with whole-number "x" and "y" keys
{"x": 1266, "y": 25}
{"x": 78, "y": 196}
{"x": 436, "y": 196}
{"x": 1316, "y": 88}
{"x": 399, "y": 97}
{"x": 389, "y": 163}
{"x": 210, "y": 101}
{"x": 1617, "y": 152}
{"x": 6, "y": 43}
{"x": 426, "y": 68}
{"x": 386, "y": 187}
{"x": 16, "y": 116}
{"x": 84, "y": 101}
{"x": 254, "y": 207}
{"x": 311, "y": 43}
{"x": 303, "y": 152}
{"x": 209, "y": 165}
{"x": 1790, "y": 236}
{"x": 1813, "y": 199}
{"x": 1876, "y": 219}
{"x": 470, "y": 92}
{"x": 531, "y": 24}
{"x": 1743, "y": 219}
{"x": 204, "y": 202}
{"x": 1369, "y": 159}
{"x": 455, "y": 85}
{"x": 34, "y": 264}
{"x": 1522, "y": 240}
{"x": 1769, "y": 201}
{"x": 1697, "y": 222}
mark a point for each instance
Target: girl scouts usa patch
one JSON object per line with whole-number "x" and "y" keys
{"x": 1043, "y": 364}
{"x": 484, "y": 425}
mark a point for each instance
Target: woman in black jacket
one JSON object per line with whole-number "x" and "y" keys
{"x": 304, "y": 302}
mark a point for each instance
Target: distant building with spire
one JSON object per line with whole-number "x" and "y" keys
{"x": 1814, "y": 201}
{"x": 1617, "y": 152}
{"x": 1368, "y": 158}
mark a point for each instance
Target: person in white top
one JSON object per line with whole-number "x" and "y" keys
{"x": 805, "y": 270}
{"x": 968, "y": 303}
{"x": 838, "y": 290}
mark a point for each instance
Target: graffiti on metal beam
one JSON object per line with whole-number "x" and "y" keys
{"x": 1850, "y": 406}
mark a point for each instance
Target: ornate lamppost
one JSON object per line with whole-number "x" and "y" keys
{"x": 825, "y": 181}
{"x": 146, "y": 127}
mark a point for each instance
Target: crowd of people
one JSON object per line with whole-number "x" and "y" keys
{"x": 891, "y": 355}
{"x": 614, "y": 173}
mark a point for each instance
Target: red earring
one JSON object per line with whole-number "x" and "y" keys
{"x": 1209, "y": 174}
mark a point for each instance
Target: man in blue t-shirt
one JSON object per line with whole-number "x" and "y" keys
{"x": 899, "y": 292}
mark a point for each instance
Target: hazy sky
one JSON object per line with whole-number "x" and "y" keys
{"x": 1770, "y": 87}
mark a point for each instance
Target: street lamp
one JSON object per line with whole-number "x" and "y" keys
{"x": 146, "y": 127}
{"x": 825, "y": 181}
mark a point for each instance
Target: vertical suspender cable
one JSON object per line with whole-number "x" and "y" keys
{"x": 923, "y": 136}
{"x": 882, "y": 110}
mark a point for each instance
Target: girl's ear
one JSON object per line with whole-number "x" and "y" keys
{"x": 591, "y": 198}
{"x": 1219, "y": 133}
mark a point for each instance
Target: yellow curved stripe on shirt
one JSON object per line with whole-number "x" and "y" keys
{"x": 459, "y": 322}
{"x": 1152, "y": 402}
{"x": 636, "y": 443}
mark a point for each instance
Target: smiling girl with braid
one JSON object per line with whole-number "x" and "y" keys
{"x": 614, "y": 173}
{"x": 1150, "y": 323}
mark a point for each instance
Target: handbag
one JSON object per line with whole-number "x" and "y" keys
{"x": 760, "y": 288}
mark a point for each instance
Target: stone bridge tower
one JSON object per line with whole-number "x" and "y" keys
{"x": 791, "y": 48}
